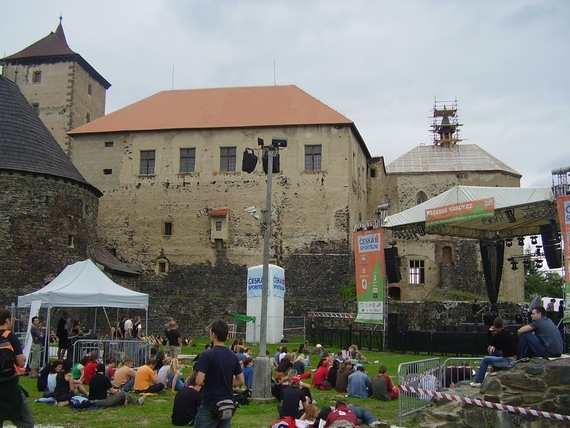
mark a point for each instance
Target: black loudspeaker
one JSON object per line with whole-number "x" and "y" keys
{"x": 275, "y": 162}
{"x": 551, "y": 245}
{"x": 249, "y": 161}
{"x": 392, "y": 264}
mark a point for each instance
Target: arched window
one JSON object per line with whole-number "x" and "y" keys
{"x": 446, "y": 255}
{"x": 421, "y": 197}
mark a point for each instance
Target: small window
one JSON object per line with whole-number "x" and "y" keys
{"x": 107, "y": 171}
{"x": 372, "y": 172}
{"x": 88, "y": 117}
{"x": 421, "y": 197}
{"x": 218, "y": 226}
{"x": 147, "y": 162}
{"x": 446, "y": 255}
{"x": 108, "y": 144}
{"x": 313, "y": 158}
{"x": 37, "y": 77}
{"x": 227, "y": 159}
{"x": 70, "y": 241}
{"x": 90, "y": 89}
{"x": 417, "y": 272}
{"x": 187, "y": 160}
{"x": 162, "y": 267}
{"x": 167, "y": 228}
{"x": 36, "y": 107}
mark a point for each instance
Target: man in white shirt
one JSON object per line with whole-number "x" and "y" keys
{"x": 128, "y": 327}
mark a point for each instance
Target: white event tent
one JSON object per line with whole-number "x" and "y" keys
{"x": 83, "y": 285}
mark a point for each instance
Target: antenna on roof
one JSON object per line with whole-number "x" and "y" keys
{"x": 172, "y": 76}
{"x": 274, "y": 73}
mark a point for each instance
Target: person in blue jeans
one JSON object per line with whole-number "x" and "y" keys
{"x": 502, "y": 352}
{"x": 219, "y": 371}
{"x": 540, "y": 338}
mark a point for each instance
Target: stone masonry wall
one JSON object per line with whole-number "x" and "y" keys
{"x": 37, "y": 216}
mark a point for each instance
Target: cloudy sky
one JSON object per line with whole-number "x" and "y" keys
{"x": 380, "y": 63}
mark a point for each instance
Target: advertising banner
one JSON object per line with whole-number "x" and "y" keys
{"x": 461, "y": 211}
{"x": 563, "y": 203}
{"x": 370, "y": 272}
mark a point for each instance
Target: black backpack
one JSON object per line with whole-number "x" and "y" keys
{"x": 7, "y": 367}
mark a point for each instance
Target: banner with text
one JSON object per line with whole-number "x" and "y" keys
{"x": 563, "y": 203}
{"x": 461, "y": 211}
{"x": 369, "y": 265}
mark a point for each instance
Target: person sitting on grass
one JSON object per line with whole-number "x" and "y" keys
{"x": 100, "y": 385}
{"x": 65, "y": 386}
{"x": 359, "y": 385}
{"x": 382, "y": 386}
{"x": 293, "y": 400}
{"x": 90, "y": 367}
{"x": 320, "y": 377}
{"x": 186, "y": 404}
{"x": 247, "y": 370}
{"x": 124, "y": 378}
{"x": 146, "y": 379}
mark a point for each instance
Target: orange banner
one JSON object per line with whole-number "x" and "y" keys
{"x": 563, "y": 205}
{"x": 370, "y": 271}
{"x": 460, "y": 211}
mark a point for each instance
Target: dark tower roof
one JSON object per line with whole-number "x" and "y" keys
{"x": 52, "y": 49}
{"x": 26, "y": 145}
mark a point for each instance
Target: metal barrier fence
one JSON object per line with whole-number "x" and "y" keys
{"x": 421, "y": 374}
{"x": 459, "y": 369}
{"x": 138, "y": 350}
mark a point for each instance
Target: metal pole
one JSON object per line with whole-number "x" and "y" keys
{"x": 261, "y": 388}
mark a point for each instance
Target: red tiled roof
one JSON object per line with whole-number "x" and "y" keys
{"x": 220, "y": 212}
{"x": 218, "y": 108}
{"x": 54, "y": 44}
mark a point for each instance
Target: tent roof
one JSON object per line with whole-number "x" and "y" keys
{"x": 531, "y": 207}
{"x": 83, "y": 285}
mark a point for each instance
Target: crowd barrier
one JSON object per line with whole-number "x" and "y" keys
{"x": 138, "y": 350}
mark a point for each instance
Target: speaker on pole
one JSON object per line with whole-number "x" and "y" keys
{"x": 551, "y": 245}
{"x": 392, "y": 264}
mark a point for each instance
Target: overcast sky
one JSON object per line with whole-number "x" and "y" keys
{"x": 380, "y": 63}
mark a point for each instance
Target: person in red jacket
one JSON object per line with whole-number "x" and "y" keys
{"x": 321, "y": 374}
{"x": 90, "y": 368}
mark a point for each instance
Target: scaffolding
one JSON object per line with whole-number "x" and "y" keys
{"x": 445, "y": 131}
{"x": 331, "y": 315}
{"x": 561, "y": 188}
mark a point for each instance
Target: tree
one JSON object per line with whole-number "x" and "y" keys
{"x": 543, "y": 282}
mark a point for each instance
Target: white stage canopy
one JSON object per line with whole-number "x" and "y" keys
{"x": 515, "y": 212}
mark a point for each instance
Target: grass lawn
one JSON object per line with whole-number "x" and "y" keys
{"x": 157, "y": 410}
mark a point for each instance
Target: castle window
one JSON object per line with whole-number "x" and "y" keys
{"x": 88, "y": 117}
{"x": 89, "y": 89}
{"x": 446, "y": 255}
{"x": 107, "y": 171}
{"x": 417, "y": 272}
{"x": 162, "y": 265}
{"x": 147, "y": 162}
{"x": 372, "y": 172}
{"x": 313, "y": 158}
{"x": 218, "y": 226}
{"x": 108, "y": 144}
{"x": 421, "y": 197}
{"x": 187, "y": 160}
{"x": 167, "y": 228}
{"x": 70, "y": 241}
{"x": 36, "y": 107}
{"x": 37, "y": 77}
{"x": 227, "y": 159}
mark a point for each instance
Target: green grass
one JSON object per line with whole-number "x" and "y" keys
{"x": 156, "y": 411}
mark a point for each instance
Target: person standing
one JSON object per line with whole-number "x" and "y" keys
{"x": 502, "y": 352}
{"x": 476, "y": 310}
{"x": 218, "y": 372}
{"x": 37, "y": 341}
{"x": 62, "y": 336}
{"x": 540, "y": 338}
{"x": 13, "y": 405}
{"x": 174, "y": 341}
{"x": 128, "y": 327}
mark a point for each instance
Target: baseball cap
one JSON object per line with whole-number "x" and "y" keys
{"x": 357, "y": 366}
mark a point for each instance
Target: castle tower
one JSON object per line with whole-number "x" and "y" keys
{"x": 445, "y": 131}
{"x": 62, "y": 87}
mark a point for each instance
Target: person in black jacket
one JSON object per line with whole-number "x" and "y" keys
{"x": 186, "y": 404}
{"x": 331, "y": 377}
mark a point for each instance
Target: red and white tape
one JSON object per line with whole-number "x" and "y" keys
{"x": 487, "y": 404}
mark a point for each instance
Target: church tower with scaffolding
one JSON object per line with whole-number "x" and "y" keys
{"x": 445, "y": 124}
{"x": 62, "y": 87}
